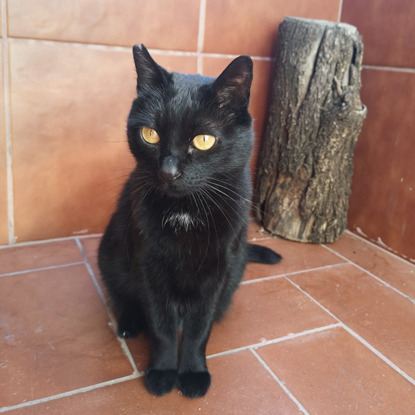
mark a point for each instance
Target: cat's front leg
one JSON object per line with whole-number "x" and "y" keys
{"x": 194, "y": 378}
{"x": 161, "y": 373}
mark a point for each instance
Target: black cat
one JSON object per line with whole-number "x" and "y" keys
{"x": 175, "y": 249}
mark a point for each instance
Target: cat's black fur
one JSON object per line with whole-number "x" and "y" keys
{"x": 175, "y": 249}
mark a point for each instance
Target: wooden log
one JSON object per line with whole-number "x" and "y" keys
{"x": 305, "y": 164}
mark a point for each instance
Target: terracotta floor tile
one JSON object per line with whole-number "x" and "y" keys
{"x": 259, "y": 312}
{"x": 256, "y": 232}
{"x": 140, "y": 346}
{"x": 295, "y": 257}
{"x": 21, "y": 258}
{"x": 55, "y": 335}
{"x": 332, "y": 373}
{"x": 264, "y": 311}
{"x": 382, "y": 317}
{"x": 393, "y": 270}
{"x": 240, "y": 385}
{"x": 90, "y": 246}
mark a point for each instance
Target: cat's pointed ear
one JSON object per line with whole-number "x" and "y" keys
{"x": 149, "y": 74}
{"x": 233, "y": 86}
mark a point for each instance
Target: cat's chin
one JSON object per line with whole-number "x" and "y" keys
{"x": 173, "y": 191}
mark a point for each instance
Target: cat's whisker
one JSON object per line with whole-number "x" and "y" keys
{"x": 212, "y": 199}
{"x": 224, "y": 185}
{"x": 228, "y": 198}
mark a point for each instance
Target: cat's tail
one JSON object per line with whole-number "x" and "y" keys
{"x": 262, "y": 254}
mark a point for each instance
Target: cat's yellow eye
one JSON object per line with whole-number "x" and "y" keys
{"x": 149, "y": 135}
{"x": 204, "y": 141}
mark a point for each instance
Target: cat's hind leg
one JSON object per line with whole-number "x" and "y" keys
{"x": 131, "y": 322}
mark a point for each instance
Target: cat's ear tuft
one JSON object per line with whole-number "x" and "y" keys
{"x": 232, "y": 87}
{"x": 149, "y": 74}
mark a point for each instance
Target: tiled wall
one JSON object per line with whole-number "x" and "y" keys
{"x": 68, "y": 79}
{"x": 382, "y": 204}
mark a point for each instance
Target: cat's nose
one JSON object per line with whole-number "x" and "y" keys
{"x": 169, "y": 170}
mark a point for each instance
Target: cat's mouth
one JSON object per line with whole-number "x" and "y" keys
{"x": 174, "y": 189}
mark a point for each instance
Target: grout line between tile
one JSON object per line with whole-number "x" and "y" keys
{"x": 379, "y": 354}
{"x": 357, "y": 336}
{"x": 7, "y": 119}
{"x": 281, "y": 383}
{"x": 232, "y": 56}
{"x": 197, "y": 54}
{"x": 96, "y": 46}
{"x": 173, "y": 52}
{"x": 273, "y": 277}
{"x": 265, "y": 238}
{"x": 381, "y": 248}
{"x": 52, "y": 240}
{"x": 201, "y": 35}
{"x": 339, "y": 15}
{"x": 91, "y": 235}
{"x": 386, "y": 284}
{"x": 29, "y": 243}
{"x": 389, "y": 68}
{"x": 51, "y": 42}
{"x": 10, "y": 274}
{"x": 262, "y": 279}
{"x": 274, "y": 341}
{"x": 70, "y": 393}
{"x": 101, "y": 295}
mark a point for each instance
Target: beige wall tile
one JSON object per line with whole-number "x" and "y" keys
{"x": 69, "y": 106}
{"x": 161, "y": 24}
{"x": 382, "y": 201}
{"x": 70, "y": 156}
{"x": 184, "y": 64}
{"x": 388, "y": 30}
{"x": 251, "y": 27}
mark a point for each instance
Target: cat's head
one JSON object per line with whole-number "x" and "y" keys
{"x": 185, "y": 130}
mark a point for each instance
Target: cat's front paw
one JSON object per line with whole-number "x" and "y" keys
{"x": 160, "y": 382}
{"x": 194, "y": 384}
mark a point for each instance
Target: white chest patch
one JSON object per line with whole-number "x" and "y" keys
{"x": 180, "y": 221}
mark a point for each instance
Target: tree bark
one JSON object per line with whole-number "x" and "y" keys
{"x": 306, "y": 166}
